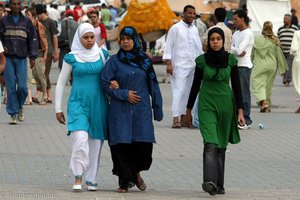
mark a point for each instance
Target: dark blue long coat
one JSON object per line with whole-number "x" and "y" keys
{"x": 130, "y": 122}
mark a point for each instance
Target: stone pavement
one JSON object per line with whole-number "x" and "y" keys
{"x": 34, "y": 157}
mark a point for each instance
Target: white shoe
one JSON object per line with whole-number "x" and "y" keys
{"x": 243, "y": 127}
{"x": 77, "y": 188}
{"x": 92, "y": 188}
{"x": 21, "y": 116}
{"x": 13, "y": 120}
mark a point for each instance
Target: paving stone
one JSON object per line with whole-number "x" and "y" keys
{"x": 34, "y": 156}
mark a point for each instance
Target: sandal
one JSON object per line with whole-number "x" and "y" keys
{"x": 267, "y": 110}
{"x": 48, "y": 100}
{"x": 264, "y": 106}
{"x": 35, "y": 100}
{"x": 184, "y": 124}
{"x": 43, "y": 102}
{"x": 176, "y": 125}
{"x": 122, "y": 190}
{"x": 140, "y": 183}
{"x": 28, "y": 103}
{"x": 4, "y": 101}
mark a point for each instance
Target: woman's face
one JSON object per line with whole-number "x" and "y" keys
{"x": 88, "y": 40}
{"x": 126, "y": 43}
{"x": 216, "y": 41}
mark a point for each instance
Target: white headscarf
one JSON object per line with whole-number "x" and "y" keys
{"x": 79, "y": 51}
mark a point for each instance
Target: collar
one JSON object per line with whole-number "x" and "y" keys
{"x": 288, "y": 26}
{"x": 186, "y": 25}
{"x": 220, "y": 24}
{"x": 10, "y": 16}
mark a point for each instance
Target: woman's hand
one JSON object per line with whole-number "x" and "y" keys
{"x": 241, "y": 119}
{"x": 133, "y": 98}
{"x": 188, "y": 118}
{"x": 114, "y": 85}
{"x": 60, "y": 117}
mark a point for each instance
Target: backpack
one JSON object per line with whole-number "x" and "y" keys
{"x": 66, "y": 36}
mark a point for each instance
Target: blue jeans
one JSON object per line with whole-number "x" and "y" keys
{"x": 16, "y": 84}
{"x": 245, "y": 74}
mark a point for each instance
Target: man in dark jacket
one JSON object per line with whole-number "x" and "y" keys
{"x": 19, "y": 40}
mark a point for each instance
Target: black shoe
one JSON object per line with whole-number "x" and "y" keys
{"x": 220, "y": 191}
{"x": 210, "y": 187}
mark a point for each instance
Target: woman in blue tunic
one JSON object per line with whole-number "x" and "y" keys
{"x": 87, "y": 105}
{"x": 131, "y": 132}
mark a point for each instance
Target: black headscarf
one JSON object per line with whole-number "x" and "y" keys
{"x": 216, "y": 59}
{"x": 136, "y": 57}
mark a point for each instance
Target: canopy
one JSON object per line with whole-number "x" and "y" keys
{"x": 260, "y": 11}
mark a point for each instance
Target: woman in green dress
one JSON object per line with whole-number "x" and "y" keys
{"x": 220, "y": 108}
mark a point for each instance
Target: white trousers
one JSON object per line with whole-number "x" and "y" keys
{"x": 195, "y": 113}
{"x": 85, "y": 156}
{"x": 181, "y": 83}
{"x": 296, "y": 74}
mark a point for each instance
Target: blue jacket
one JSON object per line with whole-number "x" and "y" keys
{"x": 130, "y": 122}
{"x": 19, "y": 38}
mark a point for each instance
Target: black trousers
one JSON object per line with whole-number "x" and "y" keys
{"x": 214, "y": 164}
{"x": 130, "y": 159}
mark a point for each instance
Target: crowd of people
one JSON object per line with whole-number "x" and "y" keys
{"x": 117, "y": 97}
{"x": 51, "y": 35}
{"x": 202, "y": 95}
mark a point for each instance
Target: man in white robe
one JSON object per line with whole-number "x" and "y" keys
{"x": 182, "y": 47}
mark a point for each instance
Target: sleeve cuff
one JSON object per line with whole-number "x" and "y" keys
{"x": 167, "y": 57}
{"x": 58, "y": 110}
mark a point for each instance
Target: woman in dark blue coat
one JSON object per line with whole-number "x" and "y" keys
{"x": 137, "y": 96}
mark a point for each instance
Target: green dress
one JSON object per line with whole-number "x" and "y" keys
{"x": 216, "y": 107}
{"x": 268, "y": 59}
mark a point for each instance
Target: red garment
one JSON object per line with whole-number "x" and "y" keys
{"x": 103, "y": 31}
{"x": 69, "y": 12}
{"x": 77, "y": 13}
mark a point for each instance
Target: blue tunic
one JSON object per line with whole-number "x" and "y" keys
{"x": 130, "y": 122}
{"x": 87, "y": 104}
